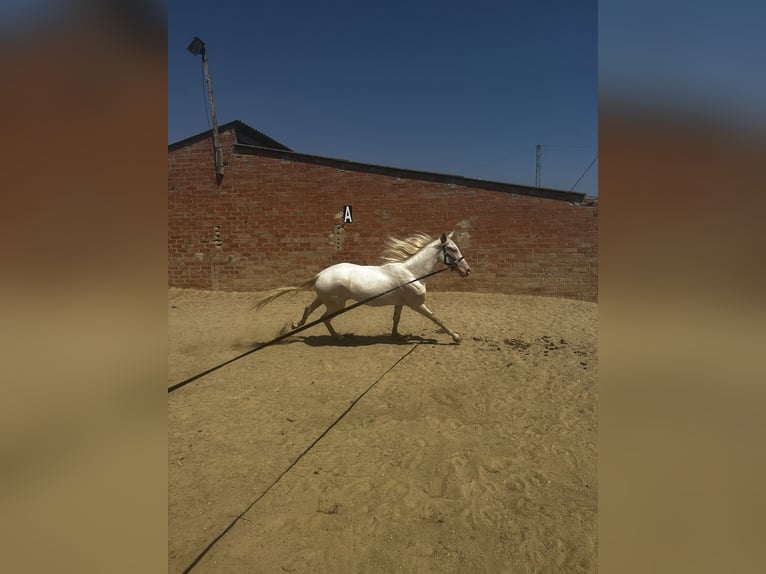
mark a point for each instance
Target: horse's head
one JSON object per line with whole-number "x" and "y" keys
{"x": 452, "y": 256}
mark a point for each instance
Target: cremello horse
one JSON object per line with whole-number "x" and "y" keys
{"x": 404, "y": 261}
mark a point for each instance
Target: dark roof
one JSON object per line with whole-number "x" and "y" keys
{"x": 251, "y": 141}
{"x": 244, "y": 133}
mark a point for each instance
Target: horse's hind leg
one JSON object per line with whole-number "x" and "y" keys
{"x": 397, "y": 316}
{"x": 332, "y": 330}
{"x": 426, "y": 312}
{"x": 333, "y": 306}
{"x": 310, "y": 308}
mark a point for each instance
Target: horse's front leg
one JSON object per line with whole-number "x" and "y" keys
{"x": 426, "y": 312}
{"x": 397, "y": 316}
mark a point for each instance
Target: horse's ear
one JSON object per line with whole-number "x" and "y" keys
{"x": 451, "y": 233}
{"x": 444, "y": 238}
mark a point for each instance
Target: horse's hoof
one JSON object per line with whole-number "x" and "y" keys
{"x": 456, "y": 337}
{"x": 295, "y": 325}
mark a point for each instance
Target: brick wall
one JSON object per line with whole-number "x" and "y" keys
{"x": 273, "y": 220}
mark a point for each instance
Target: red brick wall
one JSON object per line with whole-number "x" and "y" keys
{"x": 271, "y": 222}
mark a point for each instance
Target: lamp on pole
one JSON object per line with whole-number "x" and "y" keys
{"x": 197, "y": 47}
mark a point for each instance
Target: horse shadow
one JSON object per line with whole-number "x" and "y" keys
{"x": 351, "y": 340}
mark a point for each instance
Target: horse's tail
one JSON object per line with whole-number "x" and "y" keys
{"x": 307, "y": 284}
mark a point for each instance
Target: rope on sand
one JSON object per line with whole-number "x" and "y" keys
{"x": 191, "y": 379}
{"x": 241, "y": 515}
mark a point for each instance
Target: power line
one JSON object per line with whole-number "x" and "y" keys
{"x": 567, "y": 146}
{"x": 583, "y": 173}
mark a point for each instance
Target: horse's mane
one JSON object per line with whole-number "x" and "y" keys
{"x": 398, "y": 250}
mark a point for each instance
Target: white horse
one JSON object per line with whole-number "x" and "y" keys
{"x": 405, "y": 260}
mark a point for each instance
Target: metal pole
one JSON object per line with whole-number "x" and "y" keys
{"x": 538, "y": 162}
{"x": 216, "y": 140}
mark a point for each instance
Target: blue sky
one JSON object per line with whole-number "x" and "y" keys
{"x": 450, "y": 87}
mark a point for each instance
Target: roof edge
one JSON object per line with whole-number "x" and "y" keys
{"x": 239, "y": 127}
{"x": 575, "y": 197}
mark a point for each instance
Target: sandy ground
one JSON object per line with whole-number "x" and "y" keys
{"x": 471, "y": 457}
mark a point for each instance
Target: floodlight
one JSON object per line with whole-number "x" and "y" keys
{"x": 196, "y": 47}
